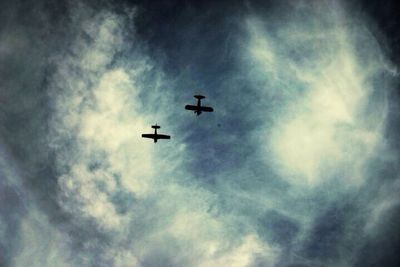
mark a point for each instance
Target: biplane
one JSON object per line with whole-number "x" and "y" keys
{"x": 198, "y": 109}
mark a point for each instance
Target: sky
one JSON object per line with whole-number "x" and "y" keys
{"x": 298, "y": 165}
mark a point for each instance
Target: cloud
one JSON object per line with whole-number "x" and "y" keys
{"x": 41, "y": 243}
{"x": 286, "y": 171}
{"x": 128, "y": 189}
{"x": 325, "y": 86}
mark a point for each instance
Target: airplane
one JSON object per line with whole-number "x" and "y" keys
{"x": 199, "y": 108}
{"x": 156, "y": 136}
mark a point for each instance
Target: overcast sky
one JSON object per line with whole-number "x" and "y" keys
{"x": 298, "y": 165}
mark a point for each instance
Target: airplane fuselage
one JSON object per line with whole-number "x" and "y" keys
{"x": 198, "y": 111}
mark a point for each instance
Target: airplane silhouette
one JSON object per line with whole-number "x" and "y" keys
{"x": 199, "y": 108}
{"x": 156, "y": 136}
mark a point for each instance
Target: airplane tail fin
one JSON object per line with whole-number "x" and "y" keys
{"x": 199, "y": 96}
{"x": 155, "y": 126}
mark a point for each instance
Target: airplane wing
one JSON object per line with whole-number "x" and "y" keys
{"x": 152, "y": 136}
{"x": 190, "y": 107}
{"x": 163, "y": 136}
{"x": 206, "y": 109}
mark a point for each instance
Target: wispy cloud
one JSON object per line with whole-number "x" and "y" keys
{"x": 285, "y": 171}
{"x": 131, "y": 191}
{"x": 324, "y": 125}
{"x": 325, "y": 104}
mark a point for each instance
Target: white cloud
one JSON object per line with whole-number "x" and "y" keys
{"x": 98, "y": 110}
{"x": 248, "y": 253}
{"x": 130, "y": 202}
{"x": 323, "y": 125}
